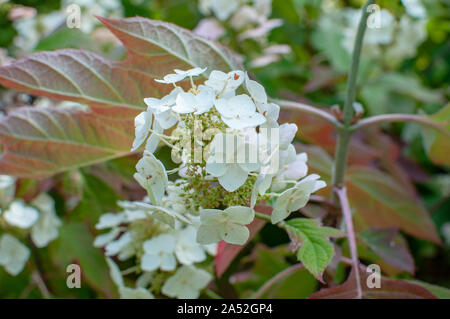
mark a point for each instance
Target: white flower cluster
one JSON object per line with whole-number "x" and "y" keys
{"x": 32, "y": 27}
{"x": 39, "y": 218}
{"x": 385, "y": 37}
{"x": 244, "y": 156}
{"x": 250, "y": 18}
{"x": 161, "y": 245}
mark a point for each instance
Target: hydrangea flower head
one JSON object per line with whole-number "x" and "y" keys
{"x": 230, "y": 154}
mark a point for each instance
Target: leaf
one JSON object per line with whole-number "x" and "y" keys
{"x": 155, "y": 48}
{"x": 74, "y": 245}
{"x": 379, "y": 200}
{"x": 43, "y": 141}
{"x": 410, "y": 86}
{"x": 373, "y": 193}
{"x": 436, "y": 143}
{"x": 67, "y": 38}
{"x": 227, "y": 252}
{"x": 170, "y": 46}
{"x": 315, "y": 250}
{"x": 93, "y": 202}
{"x": 112, "y": 89}
{"x": 388, "y": 244}
{"x": 440, "y": 292}
{"x": 270, "y": 262}
{"x": 389, "y": 289}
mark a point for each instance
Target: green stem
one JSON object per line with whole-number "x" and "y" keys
{"x": 344, "y": 132}
{"x": 262, "y": 216}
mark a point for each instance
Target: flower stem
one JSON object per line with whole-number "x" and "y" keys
{"x": 400, "y": 118}
{"x": 345, "y": 132}
{"x": 35, "y": 267}
{"x": 307, "y": 109}
{"x": 262, "y": 216}
{"x": 343, "y": 141}
{"x": 343, "y": 199}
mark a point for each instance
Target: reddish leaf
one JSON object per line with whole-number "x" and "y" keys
{"x": 436, "y": 143}
{"x": 41, "y": 141}
{"x": 168, "y": 46}
{"x": 376, "y": 198}
{"x": 227, "y": 252}
{"x": 388, "y": 244}
{"x": 318, "y": 131}
{"x": 379, "y": 200}
{"x": 389, "y": 289}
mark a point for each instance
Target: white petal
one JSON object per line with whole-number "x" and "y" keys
{"x": 114, "y": 247}
{"x": 163, "y": 242}
{"x": 235, "y": 234}
{"x": 154, "y": 139}
{"x": 208, "y": 234}
{"x": 234, "y": 178}
{"x": 135, "y": 293}
{"x": 13, "y": 254}
{"x": 21, "y": 215}
{"x": 110, "y": 220}
{"x": 191, "y": 72}
{"x": 46, "y": 228}
{"x": 215, "y": 169}
{"x": 287, "y": 134}
{"x": 256, "y": 90}
{"x": 239, "y": 214}
{"x": 103, "y": 239}
{"x": 185, "y": 103}
{"x": 150, "y": 262}
{"x": 142, "y": 124}
{"x": 204, "y": 99}
{"x": 152, "y": 176}
{"x": 114, "y": 272}
{"x": 172, "y": 78}
{"x": 217, "y": 80}
{"x": 166, "y": 119}
{"x": 278, "y": 215}
{"x": 168, "y": 262}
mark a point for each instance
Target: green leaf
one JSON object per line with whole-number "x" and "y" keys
{"x": 410, "y": 86}
{"x": 440, "y": 292}
{"x": 44, "y": 141}
{"x": 74, "y": 245}
{"x": 436, "y": 143}
{"x": 93, "y": 202}
{"x": 269, "y": 263}
{"x": 67, "y": 38}
{"x": 315, "y": 250}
